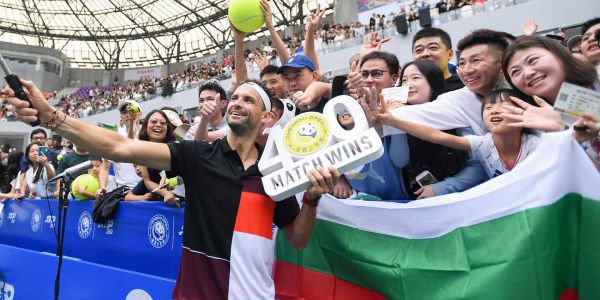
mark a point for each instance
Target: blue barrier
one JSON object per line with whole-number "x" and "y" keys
{"x": 140, "y": 247}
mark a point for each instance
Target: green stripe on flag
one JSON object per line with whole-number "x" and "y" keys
{"x": 533, "y": 254}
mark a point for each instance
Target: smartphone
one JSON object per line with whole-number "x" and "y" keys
{"x": 338, "y": 87}
{"x": 43, "y": 150}
{"x": 425, "y": 178}
{"x": 15, "y": 84}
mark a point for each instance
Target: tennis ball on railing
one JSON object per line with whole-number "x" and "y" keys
{"x": 246, "y": 15}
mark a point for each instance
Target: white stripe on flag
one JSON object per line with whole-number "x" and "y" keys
{"x": 559, "y": 166}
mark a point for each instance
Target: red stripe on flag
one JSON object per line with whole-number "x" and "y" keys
{"x": 295, "y": 282}
{"x": 569, "y": 294}
{"x": 255, "y": 215}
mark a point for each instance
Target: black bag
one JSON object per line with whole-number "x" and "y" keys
{"x": 106, "y": 206}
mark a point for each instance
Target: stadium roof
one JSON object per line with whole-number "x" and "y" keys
{"x": 113, "y": 34}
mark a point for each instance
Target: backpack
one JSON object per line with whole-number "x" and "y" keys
{"x": 106, "y": 206}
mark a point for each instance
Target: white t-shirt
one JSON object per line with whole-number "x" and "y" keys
{"x": 39, "y": 188}
{"x": 456, "y": 109}
{"x": 484, "y": 149}
{"x": 125, "y": 172}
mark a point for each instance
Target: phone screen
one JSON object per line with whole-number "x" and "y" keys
{"x": 426, "y": 179}
{"x": 43, "y": 150}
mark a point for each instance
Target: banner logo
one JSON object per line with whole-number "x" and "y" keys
{"x": 158, "y": 231}
{"x": 306, "y": 134}
{"x": 84, "y": 226}
{"x": 36, "y": 220}
{"x": 7, "y": 291}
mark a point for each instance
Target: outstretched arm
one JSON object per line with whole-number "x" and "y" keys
{"x": 423, "y": 132}
{"x": 101, "y": 141}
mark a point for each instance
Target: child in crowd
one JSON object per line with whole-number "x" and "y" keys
{"x": 85, "y": 185}
{"x": 139, "y": 192}
{"x": 500, "y": 149}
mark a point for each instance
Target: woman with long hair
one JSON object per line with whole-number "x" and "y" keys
{"x": 38, "y": 174}
{"x": 538, "y": 66}
{"x": 11, "y": 174}
{"x": 157, "y": 128}
{"x": 426, "y": 82}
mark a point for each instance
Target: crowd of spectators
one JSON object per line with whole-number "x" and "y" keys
{"x": 96, "y": 99}
{"x": 453, "y": 130}
{"x": 90, "y": 100}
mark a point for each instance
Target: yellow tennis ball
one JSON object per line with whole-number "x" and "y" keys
{"x": 133, "y": 108}
{"x": 246, "y": 15}
{"x": 90, "y": 182}
{"x": 172, "y": 182}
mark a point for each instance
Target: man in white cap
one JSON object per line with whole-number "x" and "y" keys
{"x": 124, "y": 173}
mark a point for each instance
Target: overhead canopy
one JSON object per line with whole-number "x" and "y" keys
{"x": 132, "y": 33}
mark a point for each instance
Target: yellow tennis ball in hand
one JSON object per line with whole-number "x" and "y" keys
{"x": 133, "y": 108}
{"x": 172, "y": 182}
{"x": 90, "y": 183}
{"x": 246, "y": 15}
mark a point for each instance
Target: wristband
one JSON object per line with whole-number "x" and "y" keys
{"x": 55, "y": 121}
{"x": 310, "y": 202}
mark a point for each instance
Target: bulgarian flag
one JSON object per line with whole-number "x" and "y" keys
{"x": 533, "y": 233}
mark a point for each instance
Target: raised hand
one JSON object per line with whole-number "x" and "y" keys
{"x": 313, "y": 19}
{"x": 266, "y": 8}
{"x": 42, "y": 160}
{"x": 210, "y": 107}
{"x": 384, "y": 114}
{"x": 525, "y": 115}
{"x": 371, "y": 43}
{"x": 530, "y": 27}
{"x": 355, "y": 82}
{"x": 262, "y": 61}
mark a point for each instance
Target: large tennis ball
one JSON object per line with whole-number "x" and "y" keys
{"x": 246, "y": 15}
{"x": 90, "y": 182}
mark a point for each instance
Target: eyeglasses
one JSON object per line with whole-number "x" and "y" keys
{"x": 376, "y": 74}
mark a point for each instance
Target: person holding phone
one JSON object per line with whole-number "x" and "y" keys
{"x": 38, "y": 174}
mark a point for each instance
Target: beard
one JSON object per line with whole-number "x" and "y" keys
{"x": 242, "y": 128}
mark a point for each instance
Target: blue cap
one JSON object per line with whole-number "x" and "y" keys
{"x": 298, "y": 61}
